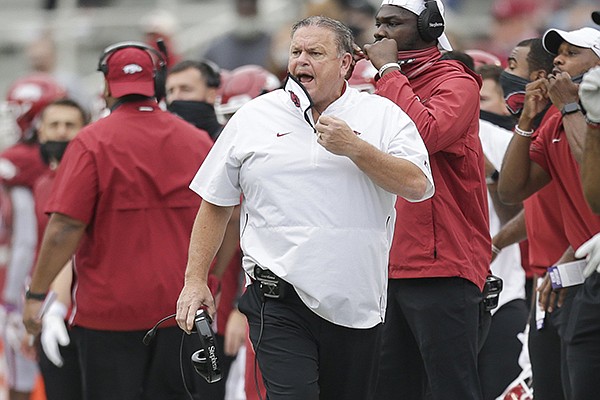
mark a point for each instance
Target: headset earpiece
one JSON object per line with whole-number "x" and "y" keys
{"x": 205, "y": 360}
{"x": 430, "y": 22}
{"x": 158, "y": 60}
{"x": 211, "y": 72}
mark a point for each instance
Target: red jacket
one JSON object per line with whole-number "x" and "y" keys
{"x": 447, "y": 235}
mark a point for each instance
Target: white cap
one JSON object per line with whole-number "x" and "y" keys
{"x": 416, "y": 7}
{"x": 587, "y": 38}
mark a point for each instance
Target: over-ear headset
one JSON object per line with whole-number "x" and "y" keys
{"x": 430, "y": 22}
{"x": 205, "y": 360}
{"x": 211, "y": 73}
{"x": 158, "y": 60}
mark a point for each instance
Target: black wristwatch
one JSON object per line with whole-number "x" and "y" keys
{"x": 29, "y": 295}
{"x": 493, "y": 178}
{"x": 570, "y": 108}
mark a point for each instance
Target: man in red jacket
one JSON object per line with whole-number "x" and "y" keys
{"x": 441, "y": 251}
{"x": 120, "y": 205}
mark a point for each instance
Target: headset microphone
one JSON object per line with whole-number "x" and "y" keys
{"x": 152, "y": 332}
{"x": 160, "y": 43}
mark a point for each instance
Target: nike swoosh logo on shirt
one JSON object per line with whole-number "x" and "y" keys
{"x": 283, "y": 134}
{"x": 555, "y": 140}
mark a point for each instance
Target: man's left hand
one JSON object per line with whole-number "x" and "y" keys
{"x": 562, "y": 90}
{"x": 590, "y": 250}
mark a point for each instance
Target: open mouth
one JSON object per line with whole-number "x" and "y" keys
{"x": 305, "y": 78}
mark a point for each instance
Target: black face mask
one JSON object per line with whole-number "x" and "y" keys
{"x": 198, "y": 113}
{"x": 514, "y": 92}
{"x": 505, "y": 121}
{"x": 53, "y": 150}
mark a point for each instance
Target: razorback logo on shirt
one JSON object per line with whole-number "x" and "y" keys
{"x": 295, "y": 99}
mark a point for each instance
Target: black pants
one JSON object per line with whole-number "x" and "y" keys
{"x": 62, "y": 383}
{"x": 547, "y": 352}
{"x": 117, "y": 365}
{"x": 216, "y": 390}
{"x": 499, "y": 358}
{"x": 304, "y": 357}
{"x": 583, "y": 341}
{"x": 430, "y": 338}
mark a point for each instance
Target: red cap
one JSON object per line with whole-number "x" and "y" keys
{"x": 504, "y": 9}
{"x": 130, "y": 71}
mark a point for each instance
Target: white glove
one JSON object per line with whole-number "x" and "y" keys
{"x": 54, "y": 332}
{"x": 589, "y": 93}
{"x": 591, "y": 251}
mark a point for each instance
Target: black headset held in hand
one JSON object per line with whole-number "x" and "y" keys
{"x": 430, "y": 23}
{"x": 158, "y": 59}
{"x": 205, "y": 360}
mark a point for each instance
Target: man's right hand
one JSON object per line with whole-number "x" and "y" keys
{"x": 550, "y": 299}
{"x": 194, "y": 295}
{"x": 536, "y": 98}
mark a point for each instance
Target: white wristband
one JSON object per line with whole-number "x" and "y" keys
{"x": 523, "y": 133}
{"x": 387, "y": 66}
{"x": 496, "y": 250}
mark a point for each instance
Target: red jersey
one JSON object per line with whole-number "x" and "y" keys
{"x": 126, "y": 176}
{"x": 543, "y": 221}
{"x": 551, "y": 151}
{"x": 447, "y": 235}
{"x": 41, "y": 194}
{"x": 21, "y": 165}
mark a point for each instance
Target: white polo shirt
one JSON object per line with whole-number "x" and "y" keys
{"x": 311, "y": 217}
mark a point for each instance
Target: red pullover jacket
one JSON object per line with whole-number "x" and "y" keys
{"x": 447, "y": 235}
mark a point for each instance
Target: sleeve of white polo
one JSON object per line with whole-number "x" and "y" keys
{"x": 406, "y": 143}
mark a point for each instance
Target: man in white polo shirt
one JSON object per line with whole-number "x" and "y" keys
{"x": 318, "y": 165}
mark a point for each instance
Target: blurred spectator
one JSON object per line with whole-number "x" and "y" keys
{"x": 513, "y": 21}
{"x": 247, "y": 43}
{"x": 481, "y": 57}
{"x": 51, "y": 4}
{"x": 42, "y": 54}
{"x": 363, "y": 76}
{"x": 359, "y": 16}
{"x": 161, "y": 24}
{"x": 20, "y": 167}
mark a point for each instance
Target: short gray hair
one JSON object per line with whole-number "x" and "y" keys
{"x": 343, "y": 35}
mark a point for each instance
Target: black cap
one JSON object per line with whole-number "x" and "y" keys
{"x": 596, "y": 17}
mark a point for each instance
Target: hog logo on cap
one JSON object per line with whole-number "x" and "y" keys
{"x": 132, "y": 69}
